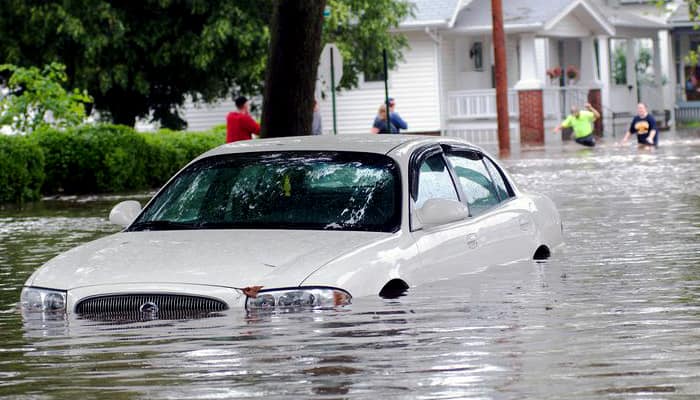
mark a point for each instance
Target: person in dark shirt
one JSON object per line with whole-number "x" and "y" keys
{"x": 395, "y": 118}
{"x": 644, "y": 126}
{"x": 380, "y": 125}
{"x": 239, "y": 124}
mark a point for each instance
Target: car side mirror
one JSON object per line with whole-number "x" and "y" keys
{"x": 125, "y": 213}
{"x": 441, "y": 211}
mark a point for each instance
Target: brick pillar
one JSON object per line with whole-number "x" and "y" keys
{"x": 531, "y": 117}
{"x": 595, "y": 100}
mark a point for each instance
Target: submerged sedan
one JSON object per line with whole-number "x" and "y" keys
{"x": 302, "y": 222}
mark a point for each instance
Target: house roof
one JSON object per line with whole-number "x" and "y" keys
{"x": 529, "y": 15}
{"x": 681, "y": 17}
{"x": 515, "y": 12}
{"x": 622, "y": 18}
{"x": 433, "y": 13}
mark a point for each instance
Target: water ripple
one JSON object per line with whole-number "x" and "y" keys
{"x": 614, "y": 315}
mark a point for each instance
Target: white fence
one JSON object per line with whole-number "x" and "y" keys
{"x": 478, "y": 104}
{"x": 481, "y": 104}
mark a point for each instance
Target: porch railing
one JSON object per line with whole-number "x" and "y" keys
{"x": 478, "y": 104}
{"x": 481, "y": 104}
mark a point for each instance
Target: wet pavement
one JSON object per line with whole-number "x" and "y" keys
{"x": 614, "y": 315}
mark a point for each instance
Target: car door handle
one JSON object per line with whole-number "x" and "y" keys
{"x": 472, "y": 241}
{"x": 524, "y": 223}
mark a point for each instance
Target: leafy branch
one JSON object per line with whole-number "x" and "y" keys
{"x": 37, "y": 98}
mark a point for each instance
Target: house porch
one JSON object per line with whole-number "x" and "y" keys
{"x": 578, "y": 39}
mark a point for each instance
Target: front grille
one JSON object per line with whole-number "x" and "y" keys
{"x": 148, "y": 303}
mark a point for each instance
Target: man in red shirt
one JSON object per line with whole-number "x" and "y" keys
{"x": 239, "y": 124}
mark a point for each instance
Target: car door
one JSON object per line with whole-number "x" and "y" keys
{"x": 520, "y": 234}
{"x": 505, "y": 228}
{"x": 446, "y": 250}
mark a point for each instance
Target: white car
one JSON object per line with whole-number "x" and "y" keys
{"x": 302, "y": 222}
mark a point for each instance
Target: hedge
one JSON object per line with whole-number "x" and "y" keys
{"x": 95, "y": 159}
{"x": 92, "y": 159}
{"x": 168, "y": 151}
{"x": 21, "y": 169}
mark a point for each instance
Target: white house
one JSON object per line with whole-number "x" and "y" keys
{"x": 686, "y": 37}
{"x": 445, "y": 85}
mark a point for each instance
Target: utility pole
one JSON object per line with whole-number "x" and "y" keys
{"x": 499, "y": 50}
{"x": 386, "y": 91}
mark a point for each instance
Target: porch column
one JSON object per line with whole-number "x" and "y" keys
{"x": 684, "y": 48}
{"x": 529, "y": 89}
{"x": 589, "y": 68}
{"x": 631, "y": 72}
{"x": 528, "y": 64}
{"x": 657, "y": 73}
{"x": 551, "y": 60}
{"x": 605, "y": 79}
{"x": 668, "y": 69}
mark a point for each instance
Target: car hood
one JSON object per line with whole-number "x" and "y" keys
{"x": 232, "y": 258}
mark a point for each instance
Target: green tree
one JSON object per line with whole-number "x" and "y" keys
{"x": 142, "y": 58}
{"x": 37, "y": 99}
{"x": 362, "y": 29}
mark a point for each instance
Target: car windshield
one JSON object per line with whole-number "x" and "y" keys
{"x": 280, "y": 190}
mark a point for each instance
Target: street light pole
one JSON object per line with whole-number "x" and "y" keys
{"x": 499, "y": 50}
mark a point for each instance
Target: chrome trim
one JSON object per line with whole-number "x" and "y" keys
{"x": 136, "y": 302}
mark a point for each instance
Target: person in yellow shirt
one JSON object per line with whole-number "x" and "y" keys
{"x": 581, "y": 122}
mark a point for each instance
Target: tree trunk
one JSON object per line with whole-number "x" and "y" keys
{"x": 295, "y": 46}
{"x": 123, "y": 109}
{"x": 123, "y": 118}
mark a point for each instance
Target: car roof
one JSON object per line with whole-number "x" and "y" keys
{"x": 370, "y": 143}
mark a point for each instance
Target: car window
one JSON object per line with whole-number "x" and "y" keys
{"x": 501, "y": 186}
{"x": 434, "y": 181}
{"x": 281, "y": 190}
{"x": 476, "y": 183}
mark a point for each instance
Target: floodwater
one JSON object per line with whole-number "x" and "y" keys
{"x": 614, "y": 315}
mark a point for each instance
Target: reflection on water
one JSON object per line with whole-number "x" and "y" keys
{"x": 615, "y": 315}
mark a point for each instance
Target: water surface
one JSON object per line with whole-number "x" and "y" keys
{"x": 616, "y": 314}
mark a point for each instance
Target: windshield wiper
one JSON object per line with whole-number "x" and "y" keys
{"x": 161, "y": 225}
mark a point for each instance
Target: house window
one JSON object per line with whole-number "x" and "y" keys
{"x": 476, "y": 54}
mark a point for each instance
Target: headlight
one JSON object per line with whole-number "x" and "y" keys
{"x": 40, "y": 299}
{"x": 299, "y": 297}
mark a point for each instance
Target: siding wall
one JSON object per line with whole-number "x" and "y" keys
{"x": 449, "y": 72}
{"x": 467, "y": 77}
{"x": 458, "y": 73}
{"x": 512, "y": 59}
{"x": 414, "y": 85}
{"x": 205, "y": 116}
